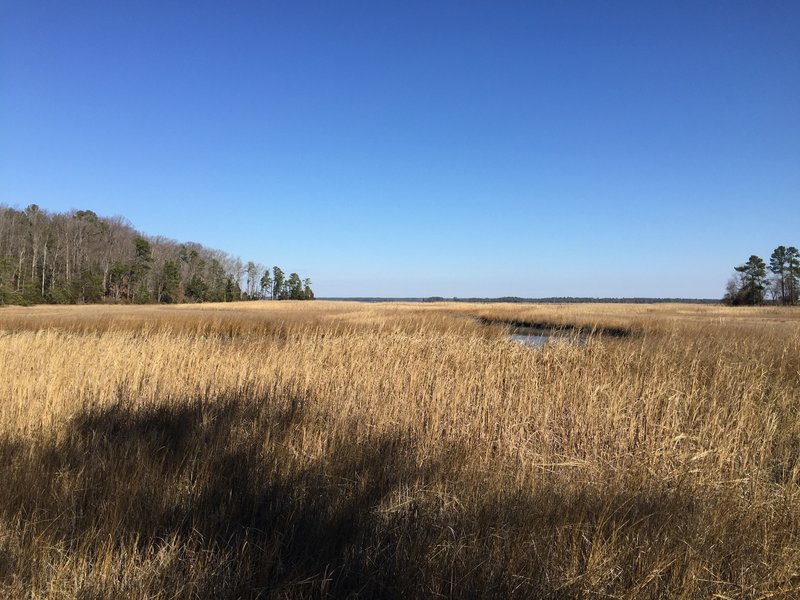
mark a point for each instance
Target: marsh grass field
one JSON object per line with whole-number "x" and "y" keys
{"x": 334, "y": 449}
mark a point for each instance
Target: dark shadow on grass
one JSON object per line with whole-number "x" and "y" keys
{"x": 252, "y": 517}
{"x": 224, "y": 476}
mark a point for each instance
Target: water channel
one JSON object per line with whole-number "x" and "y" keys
{"x": 536, "y": 337}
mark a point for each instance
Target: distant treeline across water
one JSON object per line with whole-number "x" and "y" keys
{"x": 551, "y": 300}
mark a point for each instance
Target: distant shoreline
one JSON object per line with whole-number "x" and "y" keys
{"x": 552, "y": 300}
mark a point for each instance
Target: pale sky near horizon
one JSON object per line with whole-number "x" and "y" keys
{"x": 420, "y": 148}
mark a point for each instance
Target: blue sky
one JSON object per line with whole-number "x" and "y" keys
{"x": 420, "y": 148}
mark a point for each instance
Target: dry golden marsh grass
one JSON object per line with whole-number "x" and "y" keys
{"x": 398, "y": 450}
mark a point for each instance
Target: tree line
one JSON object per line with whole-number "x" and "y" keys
{"x": 80, "y": 257}
{"x": 756, "y": 282}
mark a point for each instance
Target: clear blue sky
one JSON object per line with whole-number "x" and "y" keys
{"x": 419, "y": 148}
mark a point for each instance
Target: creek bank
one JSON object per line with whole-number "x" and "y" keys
{"x": 545, "y": 328}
